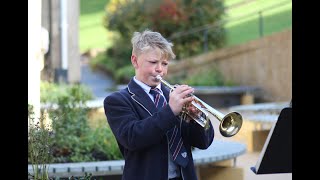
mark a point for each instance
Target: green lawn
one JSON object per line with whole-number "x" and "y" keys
{"x": 94, "y": 35}
{"x": 228, "y": 3}
{"x": 91, "y": 31}
{"x": 248, "y": 7}
{"x": 275, "y": 20}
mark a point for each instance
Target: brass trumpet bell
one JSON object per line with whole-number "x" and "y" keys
{"x": 230, "y": 124}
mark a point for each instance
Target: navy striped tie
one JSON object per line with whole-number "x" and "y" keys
{"x": 177, "y": 149}
{"x": 158, "y": 98}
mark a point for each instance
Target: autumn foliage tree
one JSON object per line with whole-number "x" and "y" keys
{"x": 174, "y": 19}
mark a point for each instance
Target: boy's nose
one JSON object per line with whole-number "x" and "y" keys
{"x": 158, "y": 68}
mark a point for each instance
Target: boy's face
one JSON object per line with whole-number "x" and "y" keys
{"x": 148, "y": 65}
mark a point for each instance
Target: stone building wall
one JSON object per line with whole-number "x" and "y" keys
{"x": 265, "y": 62}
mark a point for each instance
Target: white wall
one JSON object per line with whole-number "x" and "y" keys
{"x": 35, "y": 55}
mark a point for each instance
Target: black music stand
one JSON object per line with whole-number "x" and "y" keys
{"x": 276, "y": 154}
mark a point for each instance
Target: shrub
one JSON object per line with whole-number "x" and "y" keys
{"x": 70, "y": 128}
{"x": 209, "y": 77}
{"x": 39, "y": 145}
{"x": 73, "y": 140}
{"x": 169, "y": 17}
{"x": 124, "y": 74}
{"x": 205, "y": 78}
{"x": 52, "y": 92}
{"x": 105, "y": 144}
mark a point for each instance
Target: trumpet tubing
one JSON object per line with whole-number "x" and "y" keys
{"x": 230, "y": 124}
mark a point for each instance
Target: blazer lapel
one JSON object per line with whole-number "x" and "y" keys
{"x": 141, "y": 97}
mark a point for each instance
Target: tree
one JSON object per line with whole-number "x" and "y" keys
{"x": 172, "y": 18}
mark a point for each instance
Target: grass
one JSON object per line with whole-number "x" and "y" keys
{"x": 94, "y": 35}
{"x": 91, "y": 30}
{"x": 248, "y": 29}
{"x": 228, "y": 3}
{"x": 254, "y": 6}
{"x": 245, "y": 29}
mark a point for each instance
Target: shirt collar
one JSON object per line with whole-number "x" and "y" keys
{"x": 146, "y": 87}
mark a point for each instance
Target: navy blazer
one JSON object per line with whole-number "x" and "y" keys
{"x": 140, "y": 130}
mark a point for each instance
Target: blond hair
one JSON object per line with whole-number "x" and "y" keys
{"x": 149, "y": 39}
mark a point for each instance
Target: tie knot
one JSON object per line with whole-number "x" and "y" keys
{"x": 154, "y": 91}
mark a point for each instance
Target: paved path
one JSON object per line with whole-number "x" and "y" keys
{"x": 98, "y": 82}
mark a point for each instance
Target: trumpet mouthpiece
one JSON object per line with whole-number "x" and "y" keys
{"x": 158, "y": 77}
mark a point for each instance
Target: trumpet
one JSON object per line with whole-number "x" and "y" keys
{"x": 230, "y": 124}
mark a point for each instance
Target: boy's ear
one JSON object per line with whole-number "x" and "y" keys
{"x": 134, "y": 61}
